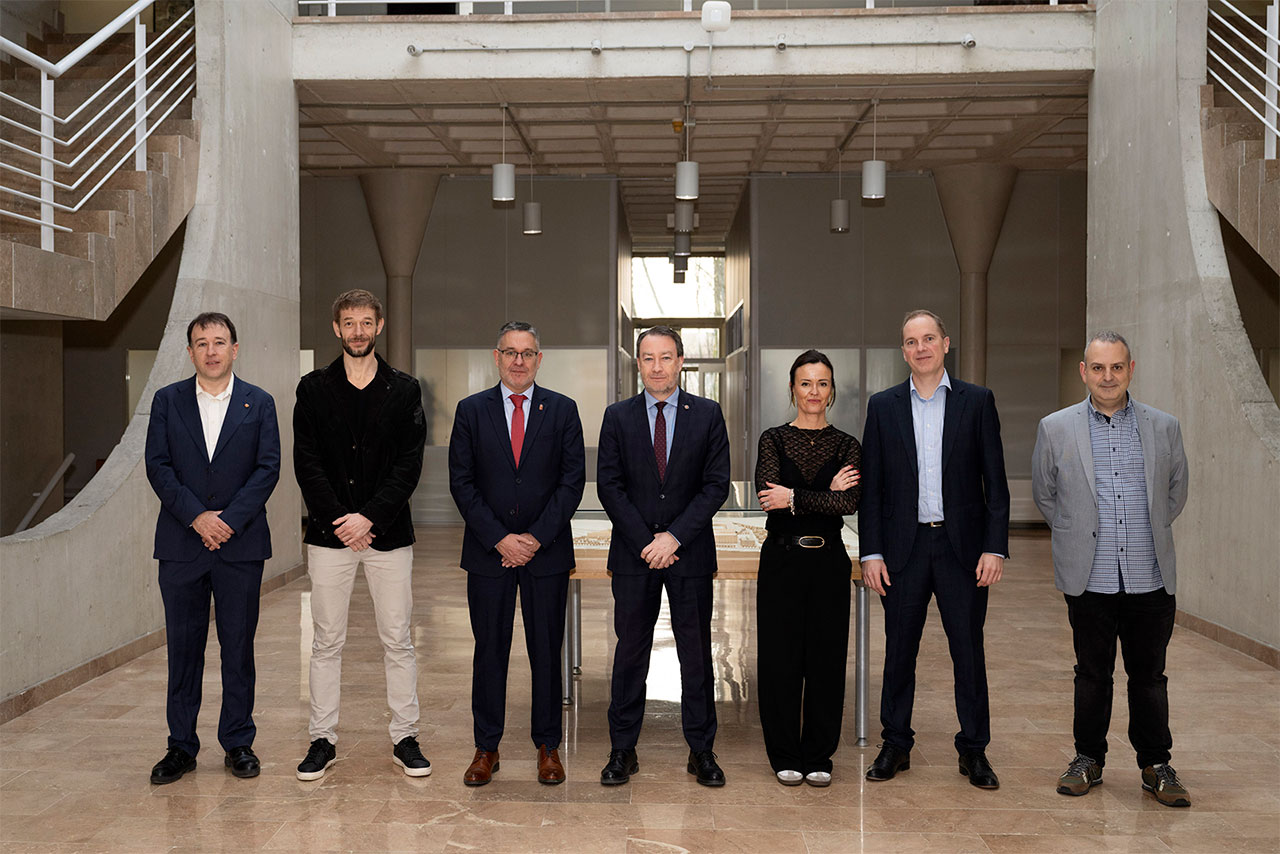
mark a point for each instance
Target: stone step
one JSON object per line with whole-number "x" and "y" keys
{"x": 73, "y": 244}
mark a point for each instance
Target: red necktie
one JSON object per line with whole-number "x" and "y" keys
{"x": 517, "y": 426}
{"x": 660, "y": 440}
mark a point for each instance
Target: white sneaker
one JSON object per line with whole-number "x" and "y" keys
{"x": 818, "y": 778}
{"x": 790, "y": 778}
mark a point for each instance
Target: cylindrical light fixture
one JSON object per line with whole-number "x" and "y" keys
{"x": 678, "y": 277}
{"x": 684, "y": 244}
{"x": 533, "y": 217}
{"x": 680, "y": 263}
{"x": 873, "y": 172}
{"x": 839, "y": 216}
{"x": 684, "y": 216}
{"x": 504, "y": 182}
{"x": 687, "y": 179}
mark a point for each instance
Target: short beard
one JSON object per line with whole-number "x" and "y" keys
{"x": 347, "y": 348}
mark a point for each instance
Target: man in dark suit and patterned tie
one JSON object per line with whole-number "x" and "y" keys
{"x": 213, "y": 459}
{"x": 663, "y": 474}
{"x": 934, "y": 521}
{"x": 517, "y": 468}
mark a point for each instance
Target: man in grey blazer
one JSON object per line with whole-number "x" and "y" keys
{"x": 1110, "y": 476}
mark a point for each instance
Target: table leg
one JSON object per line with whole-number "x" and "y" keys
{"x": 861, "y": 662}
{"x": 575, "y": 595}
{"x": 566, "y": 657}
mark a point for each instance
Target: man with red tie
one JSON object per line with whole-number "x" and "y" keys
{"x": 517, "y": 468}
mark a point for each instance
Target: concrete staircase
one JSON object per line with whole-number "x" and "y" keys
{"x": 1243, "y": 186}
{"x": 119, "y": 231}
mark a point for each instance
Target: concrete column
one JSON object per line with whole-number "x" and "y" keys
{"x": 974, "y": 199}
{"x": 399, "y": 202}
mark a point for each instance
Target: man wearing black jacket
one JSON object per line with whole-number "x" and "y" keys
{"x": 359, "y": 432}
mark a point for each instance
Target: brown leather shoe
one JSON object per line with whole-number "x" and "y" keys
{"x": 481, "y": 769}
{"x": 550, "y": 771}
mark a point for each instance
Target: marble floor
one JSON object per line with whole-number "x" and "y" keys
{"x": 74, "y": 772}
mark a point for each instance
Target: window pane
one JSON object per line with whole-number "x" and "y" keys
{"x": 701, "y": 343}
{"x": 655, "y": 294}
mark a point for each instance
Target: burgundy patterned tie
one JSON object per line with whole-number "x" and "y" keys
{"x": 517, "y": 426}
{"x": 660, "y": 440}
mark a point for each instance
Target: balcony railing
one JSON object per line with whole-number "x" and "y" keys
{"x": 58, "y": 162}
{"x": 329, "y": 8}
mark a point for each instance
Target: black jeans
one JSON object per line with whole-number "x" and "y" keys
{"x": 1143, "y": 623}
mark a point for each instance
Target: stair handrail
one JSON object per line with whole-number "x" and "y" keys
{"x": 43, "y": 495}
{"x": 138, "y": 100}
{"x": 1268, "y": 70}
{"x": 62, "y": 66}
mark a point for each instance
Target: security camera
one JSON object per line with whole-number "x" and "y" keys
{"x": 414, "y": 50}
{"x": 780, "y": 43}
{"x": 968, "y": 41}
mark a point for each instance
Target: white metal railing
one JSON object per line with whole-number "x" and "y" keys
{"x": 1244, "y": 56}
{"x": 329, "y": 8}
{"x": 159, "y": 79}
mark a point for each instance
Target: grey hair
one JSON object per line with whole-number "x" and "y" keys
{"x": 924, "y": 312}
{"x": 518, "y": 326}
{"x": 1107, "y": 336}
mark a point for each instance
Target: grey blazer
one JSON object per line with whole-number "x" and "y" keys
{"x": 1062, "y": 486}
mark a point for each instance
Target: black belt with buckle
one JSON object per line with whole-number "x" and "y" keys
{"x": 805, "y": 542}
{"x": 937, "y": 524}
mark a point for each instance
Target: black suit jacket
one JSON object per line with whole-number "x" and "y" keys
{"x": 640, "y": 505}
{"x": 975, "y": 493}
{"x": 373, "y": 474}
{"x": 237, "y": 481}
{"x": 496, "y": 498}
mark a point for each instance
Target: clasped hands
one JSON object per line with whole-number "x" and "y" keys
{"x": 355, "y": 531}
{"x": 212, "y": 530}
{"x": 517, "y": 549}
{"x": 661, "y": 551}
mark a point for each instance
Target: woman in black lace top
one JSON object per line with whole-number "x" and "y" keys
{"x": 807, "y": 480}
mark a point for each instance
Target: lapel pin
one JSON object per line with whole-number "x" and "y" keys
{"x": 686, "y": 406}
{"x": 539, "y": 407}
{"x": 246, "y": 406}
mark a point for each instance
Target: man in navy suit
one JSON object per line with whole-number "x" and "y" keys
{"x": 213, "y": 458}
{"x": 934, "y": 521}
{"x": 663, "y": 474}
{"x": 517, "y": 468}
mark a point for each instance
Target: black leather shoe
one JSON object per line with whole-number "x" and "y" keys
{"x": 170, "y": 769}
{"x": 890, "y": 761}
{"x": 976, "y": 767}
{"x": 703, "y": 763}
{"x": 621, "y": 765}
{"x": 242, "y": 762}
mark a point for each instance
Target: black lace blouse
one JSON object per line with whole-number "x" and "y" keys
{"x": 806, "y": 461}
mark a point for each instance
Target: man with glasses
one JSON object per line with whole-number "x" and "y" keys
{"x": 517, "y": 468}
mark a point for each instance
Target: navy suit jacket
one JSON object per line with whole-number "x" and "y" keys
{"x": 640, "y": 505}
{"x": 496, "y": 498}
{"x": 237, "y": 481}
{"x": 975, "y": 493}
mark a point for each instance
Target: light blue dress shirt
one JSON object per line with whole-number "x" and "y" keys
{"x": 926, "y": 419}
{"x": 668, "y": 412}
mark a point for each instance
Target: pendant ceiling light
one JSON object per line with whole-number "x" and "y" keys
{"x": 873, "y": 170}
{"x": 504, "y": 173}
{"x": 686, "y": 170}
{"x": 684, "y": 244}
{"x": 532, "y": 209}
{"x": 839, "y": 205}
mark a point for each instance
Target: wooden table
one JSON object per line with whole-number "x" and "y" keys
{"x": 739, "y": 535}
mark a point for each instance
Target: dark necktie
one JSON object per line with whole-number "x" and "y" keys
{"x": 660, "y": 440}
{"x": 517, "y": 426}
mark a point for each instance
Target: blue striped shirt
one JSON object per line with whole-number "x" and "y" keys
{"x": 1124, "y": 560}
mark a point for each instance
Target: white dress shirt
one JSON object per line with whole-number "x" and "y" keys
{"x": 509, "y": 406}
{"x": 213, "y": 411}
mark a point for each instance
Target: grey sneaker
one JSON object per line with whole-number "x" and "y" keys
{"x": 1081, "y": 775}
{"x": 409, "y": 756}
{"x": 1162, "y": 781}
{"x": 320, "y": 756}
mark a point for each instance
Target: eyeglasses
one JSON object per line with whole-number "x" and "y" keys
{"x": 510, "y": 355}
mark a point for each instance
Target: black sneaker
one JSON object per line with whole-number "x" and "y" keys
{"x": 321, "y": 755}
{"x": 409, "y": 756}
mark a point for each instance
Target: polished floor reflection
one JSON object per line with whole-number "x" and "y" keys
{"x": 74, "y": 772}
